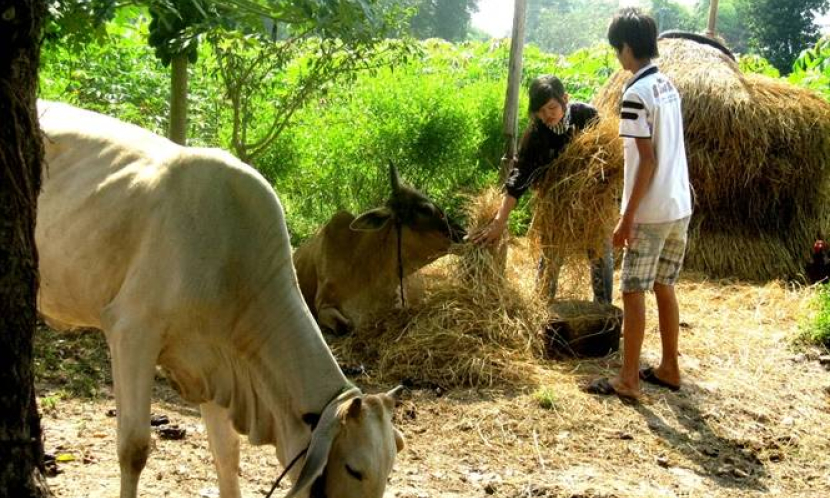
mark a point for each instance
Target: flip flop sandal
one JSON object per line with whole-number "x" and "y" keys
{"x": 603, "y": 387}
{"x": 648, "y": 375}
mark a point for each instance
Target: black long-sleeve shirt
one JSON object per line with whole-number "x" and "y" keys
{"x": 540, "y": 146}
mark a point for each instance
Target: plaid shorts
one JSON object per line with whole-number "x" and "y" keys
{"x": 654, "y": 254}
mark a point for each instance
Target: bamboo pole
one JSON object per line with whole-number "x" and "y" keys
{"x": 713, "y": 18}
{"x": 514, "y": 80}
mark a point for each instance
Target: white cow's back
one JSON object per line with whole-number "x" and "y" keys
{"x": 117, "y": 199}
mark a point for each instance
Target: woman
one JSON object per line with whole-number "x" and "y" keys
{"x": 553, "y": 123}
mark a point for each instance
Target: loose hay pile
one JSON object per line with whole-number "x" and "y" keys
{"x": 759, "y": 151}
{"x": 473, "y": 327}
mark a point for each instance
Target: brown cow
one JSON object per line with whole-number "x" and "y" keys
{"x": 352, "y": 267}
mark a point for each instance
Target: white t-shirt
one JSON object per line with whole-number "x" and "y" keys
{"x": 651, "y": 109}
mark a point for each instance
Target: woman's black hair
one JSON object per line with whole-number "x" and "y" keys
{"x": 544, "y": 88}
{"x": 633, "y": 27}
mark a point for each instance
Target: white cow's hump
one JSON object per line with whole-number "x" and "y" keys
{"x": 151, "y": 158}
{"x": 57, "y": 118}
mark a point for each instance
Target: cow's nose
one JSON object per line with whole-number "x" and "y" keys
{"x": 457, "y": 233}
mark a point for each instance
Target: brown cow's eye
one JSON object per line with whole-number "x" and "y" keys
{"x": 352, "y": 472}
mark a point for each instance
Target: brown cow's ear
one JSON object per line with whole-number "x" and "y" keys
{"x": 371, "y": 220}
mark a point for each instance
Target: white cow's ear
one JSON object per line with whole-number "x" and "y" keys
{"x": 371, "y": 220}
{"x": 399, "y": 442}
{"x": 320, "y": 446}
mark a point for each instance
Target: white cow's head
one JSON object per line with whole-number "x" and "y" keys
{"x": 352, "y": 449}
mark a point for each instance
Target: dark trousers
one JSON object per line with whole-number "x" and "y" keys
{"x": 602, "y": 274}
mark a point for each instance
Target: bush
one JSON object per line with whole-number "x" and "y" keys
{"x": 816, "y": 330}
{"x": 437, "y": 116}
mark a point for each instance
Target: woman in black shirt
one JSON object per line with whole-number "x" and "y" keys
{"x": 553, "y": 123}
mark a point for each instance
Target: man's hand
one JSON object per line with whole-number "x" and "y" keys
{"x": 490, "y": 234}
{"x": 623, "y": 232}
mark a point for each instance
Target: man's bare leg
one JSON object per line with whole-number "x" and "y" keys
{"x": 669, "y": 317}
{"x": 627, "y": 382}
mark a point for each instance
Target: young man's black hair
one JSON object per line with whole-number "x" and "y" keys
{"x": 633, "y": 27}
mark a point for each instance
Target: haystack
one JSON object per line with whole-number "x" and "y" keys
{"x": 759, "y": 163}
{"x": 471, "y": 326}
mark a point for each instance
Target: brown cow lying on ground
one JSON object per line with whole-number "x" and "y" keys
{"x": 353, "y": 266}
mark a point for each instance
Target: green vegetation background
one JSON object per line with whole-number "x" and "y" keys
{"x": 437, "y": 116}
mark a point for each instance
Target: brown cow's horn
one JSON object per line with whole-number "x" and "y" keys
{"x": 394, "y": 179}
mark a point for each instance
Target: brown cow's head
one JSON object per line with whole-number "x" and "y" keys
{"x": 353, "y": 448}
{"x": 424, "y": 225}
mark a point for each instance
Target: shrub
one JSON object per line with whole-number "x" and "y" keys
{"x": 816, "y": 328}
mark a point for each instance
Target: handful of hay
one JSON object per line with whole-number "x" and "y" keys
{"x": 471, "y": 328}
{"x": 577, "y": 200}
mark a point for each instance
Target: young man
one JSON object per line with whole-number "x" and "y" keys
{"x": 656, "y": 204}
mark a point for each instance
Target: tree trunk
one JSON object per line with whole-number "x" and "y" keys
{"x": 21, "y": 153}
{"x": 178, "y": 99}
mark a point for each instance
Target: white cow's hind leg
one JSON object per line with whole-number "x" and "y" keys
{"x": 134, "y": 351}
{"x": 224, "y": 444}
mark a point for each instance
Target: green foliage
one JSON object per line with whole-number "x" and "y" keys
{"x": 266, "y": 82}
{"x": 437, "y": 117}
{"x": 816, "y": 327}
{"x": 812, "y": 68}
{"x": 175, "y": 28}
{"x": 814, "y": 58}
{"x": 77, "y": 22}
{"x": 781, "y": 29}
{"x": 119, "y": 76}
{"x": 446, "y": 19}
{"x": 431, "y": 126}
{"x": 755, "y": 64}
{"x": 437, "y": 114}
{"x": 670, "y": 15}
{"x": 563, "y": 26}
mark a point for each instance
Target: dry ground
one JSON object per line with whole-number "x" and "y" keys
{"x": 752, "y": 419}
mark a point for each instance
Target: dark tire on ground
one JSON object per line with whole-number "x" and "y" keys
{"x": 697, "y": 37}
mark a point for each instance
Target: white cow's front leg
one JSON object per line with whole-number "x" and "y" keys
{"x": 224, "y": 444}
{"x": 134, "y": 354}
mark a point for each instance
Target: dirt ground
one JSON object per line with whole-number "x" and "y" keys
{"x": 752, "y": 419}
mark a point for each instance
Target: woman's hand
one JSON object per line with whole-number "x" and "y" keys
{"x": 490, "y": 234}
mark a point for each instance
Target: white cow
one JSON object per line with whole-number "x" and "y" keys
{"x": 181, "y": 256}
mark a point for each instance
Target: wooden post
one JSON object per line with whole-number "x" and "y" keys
{"x": 713, "y": 18}
{"x": 514, "y": 80}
